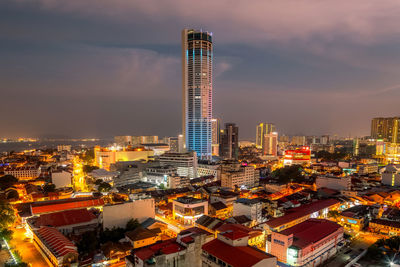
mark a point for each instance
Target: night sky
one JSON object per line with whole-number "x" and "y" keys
{"x": 98, "y": 68}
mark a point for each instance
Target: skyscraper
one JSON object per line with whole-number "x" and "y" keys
{"x": 270, "y": 146}
{"x": 197, "y": 56}
{"x": 387, "y": 129}
{"x": 215, "y": 132}
{"x": 229, "y": 145}
{"x": 263, "y": 129}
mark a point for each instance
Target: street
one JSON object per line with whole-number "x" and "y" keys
{"x": 362, "y": 241}
{"x": 26, "y": 249}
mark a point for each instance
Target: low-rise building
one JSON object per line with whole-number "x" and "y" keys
{"x": 23, "y": 172}
{"x": 183, "y": 251}
{"x": 188, "y": 209}
{"x": 219, "y": 210}
{"x": 309, "y": 243}
{"x": 61, "y": 178}
{"x": 118, "y": 215}
{"x": 386, "y": 227}
{"x": 333, "y": 182}
{"x": 391, "y": 175}
{"x": 55, "y": 247}
{"x": 356, "y": 217}
{"x": 141, "y": 237}
{"x": 160, "y": 174}
{"x": 231, "y": 249}
{"x": 177, "y": 181}
{"x": 317, "y": 209}
{"x": 251, "y": 208}
{"x": 68, "y": 221}
{"x": 185, "y": 163}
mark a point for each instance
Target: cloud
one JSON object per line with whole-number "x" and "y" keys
{"x": 358, "y": 21}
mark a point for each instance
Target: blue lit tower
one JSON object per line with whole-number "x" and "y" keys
{"x": 197, "y": 58}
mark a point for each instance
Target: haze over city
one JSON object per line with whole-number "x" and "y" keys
{"x": 105, "y": 68}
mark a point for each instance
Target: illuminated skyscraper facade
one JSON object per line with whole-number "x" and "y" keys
{"x": 387, "y": 129}
{"x": 197, "y": 57}
{"x": 263, "y": 129}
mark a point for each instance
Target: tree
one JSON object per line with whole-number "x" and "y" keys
{"x": 6, "y": 234}
{"x": 333, "y": 214}
{"x": 104, "y": 187}
{"x": 161, "y": 186}
{"x": 49, "y": 188}
{"x": 88, "y": 243}
{"x": 113, "y": 235}
{"x": 7, "y": 181}
{"x": 12, "y": 194}
{"x": 132, "y": 224}
{"x": 289, "y": 174}
{"x": 7, "y": 215}
{"x": 89, "y": 168}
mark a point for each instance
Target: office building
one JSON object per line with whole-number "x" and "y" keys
{"x": 104, "y": 157}
{"x": 270, "y": 144}
{"x": 215, "y": 139}
{"x": 298, "y": 140}
{"x": 185, "y": 163}
{"x": 197, "y": 57}
{"x": 229, "y": 146}
{"x": 387, "y": 129}
{"x": 123, "y": 140}
{"x": 307, "y": 244}
{"x": 263, "y": 129}
{"x": 176, "y": 144}
{"x": 238, "y": 176}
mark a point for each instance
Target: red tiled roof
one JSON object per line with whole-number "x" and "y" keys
{"x": 234, "y": 235}
{"x": 242, "y": 256}
{"x": 238, "y": 231}
{"x": 166, "y": 247}
{"x": 301, "y": 211}
{"x": 311, "y": 231}
{"x": 63, "y": 218}
{"x": 65, "y": 204}
{"x": 56, "y": 242}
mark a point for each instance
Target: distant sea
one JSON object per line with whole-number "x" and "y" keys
{"x": 20, "y": 146}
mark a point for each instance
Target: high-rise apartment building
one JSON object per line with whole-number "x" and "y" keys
{"x": 197, "y": 57}
{"x": 270, "y": 144}
{"x": 229, "y": 144}
{"x": 263, "y": 129}
{"x": 387, "y": 129}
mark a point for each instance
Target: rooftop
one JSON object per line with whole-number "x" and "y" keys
{"x": 65, "y": 204}
{"x": 395, "y": 224}
{"x": 241, "y": 256}
{"x": 311, "y": 231}
{"x": 142, "y": 233}
{"x": 166, "y": 247}
{"x": 189, "y": 200}
{"x": 56, "y": 242}
{"x": 302, "y": 211}
{"x": 63, "y": 218}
